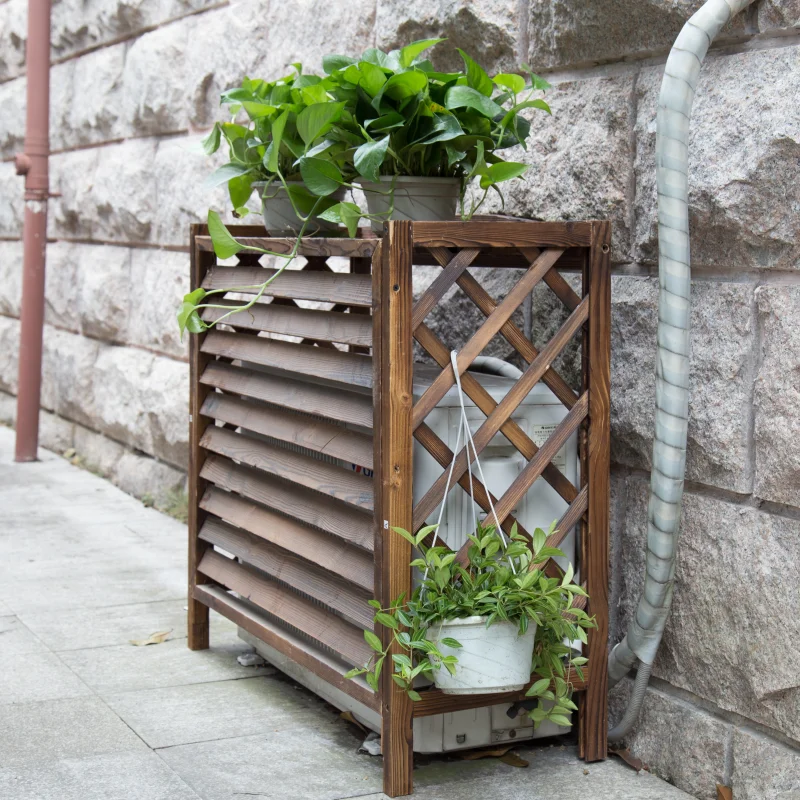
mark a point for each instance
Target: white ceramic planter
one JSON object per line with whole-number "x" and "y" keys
{"x": 493, "y": 659}
{"x": 279, "y": 215}
{"x": 417, "y": 199}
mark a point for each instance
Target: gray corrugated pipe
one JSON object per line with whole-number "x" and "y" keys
{"x": 672, "y": 364}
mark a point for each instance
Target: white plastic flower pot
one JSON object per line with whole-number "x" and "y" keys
{"x": 493, "y": 659}
{"x": 280, "y": 218}
{"x": 416, "y": 199}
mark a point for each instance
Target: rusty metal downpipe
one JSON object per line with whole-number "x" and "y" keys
{"x": 33, "y": 165}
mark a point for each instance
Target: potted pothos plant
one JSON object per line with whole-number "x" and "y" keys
{"x": 488, "y": 626}
{"x": 277, "y": 150}
{"x": 424, "y": 135}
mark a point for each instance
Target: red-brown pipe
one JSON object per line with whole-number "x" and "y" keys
{"x": 33, "y": 164}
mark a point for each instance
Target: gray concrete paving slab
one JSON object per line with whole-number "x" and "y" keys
{"x": 82, "y": 628}
{"x": 318, "y": 764}
{"x": 37, "y": 676}
{"x": 121, "y": 668}
{"x": 16, "y": 639}
{"x": 115, "y": 776}
{"x": 221, "y": 709}
{"x": 50, "y": 730}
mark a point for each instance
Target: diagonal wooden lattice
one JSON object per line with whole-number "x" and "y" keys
{"x": 542, "y": 267}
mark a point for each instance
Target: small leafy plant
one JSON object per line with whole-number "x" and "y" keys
{"x": 502, "y": 581}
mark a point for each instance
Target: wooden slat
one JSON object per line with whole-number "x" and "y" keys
{"x": 503, "y": 258}
{"x": 510, "y": 402}
{"x": 325, "y": 401}
{"x": 568, "y": 520}
{"x": 346, "y": 640}
{"x": 197, "y": 617}
{"x": 348, "y": 368}
{"x": 486, "y": 403}
{"x": 313, "y": 434}
{"x": 303, "y": 576}
{"x": 341, "y": 520}
{"x": 309, "y": 245}
{"x": 434, "y": 701}
{"x": 326, "y": 287}
{"x": 510, "y": 331}
{"x": 594, "y": 711}
{"x": 328, "y": 479}
{"x": 443, "y": 281}
{"x": 284, "y": 641}
{"x": 503, "y": 234}
{"x": 323, "y": 326}
{"x": 473, "y": 348}
{"x": 393, "y": 401}
{"x": 330, "y": 552}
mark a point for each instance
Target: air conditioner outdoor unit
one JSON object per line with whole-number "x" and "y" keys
{"x": 537, "y": 415}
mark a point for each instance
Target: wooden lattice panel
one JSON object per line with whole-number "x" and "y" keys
{"x": 311, "y": 538}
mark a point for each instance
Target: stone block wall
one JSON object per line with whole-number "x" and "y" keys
{"x": 134, "y": 84}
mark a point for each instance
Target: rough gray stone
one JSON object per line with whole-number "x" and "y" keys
{"x": 9, "y": 354}
{"x": 778, "y": 14}
{"x": 733, "y": 636}
{"x": 721, "y": 376}
{"x": 580, "y": 159}
{"x": 678, "y": 741}
{"x": 10, "y": 278}
{"x": 64, "y": 270}
{"x": 13, "y": 35}
{"x": 744, "y": 200}
{"x": 563, "y": 33}
{"x": 763, "y": 768}
{"x": 12, "y": 209}
{"x": 777, "y": 396}
{"x": 488, "y": 31}
{"x": 12, "y": 121}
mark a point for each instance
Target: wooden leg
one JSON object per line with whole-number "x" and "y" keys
{"x": 392, "y": 300}
{"x": 198, "y": 625}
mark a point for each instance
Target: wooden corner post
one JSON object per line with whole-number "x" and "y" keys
{"x": 594, "y": 706}
{"x": 198, "y": 612}
{"x": 393, "y": 400}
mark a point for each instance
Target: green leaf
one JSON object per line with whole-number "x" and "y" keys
{"x": 320, "y": 177}
{"x": 257, "y": 110}
{"x": 511, "y": 81}
{"x": 402, "y": 658}
{"x": 536, "y": 82}
{"x": 372, "y": 78}
{"x": 411, "y": 51}
{"x": 189, "y": 319}
{"x": 449, "y": 642}
{"x": 387, "y": 620}
{"x": 353, "y": 672}
{"x": 501, "y": 171}
{"x": 520, "y": 106}
{"x": 349, "y": 214}
{"x": 539, "y": 538}
{"x": 414, "y": 695}
{"x": 423, "y": 532}
{"x": 467, "y": 97}
{"x": 405, "y": 534}
{"x": 369, "y": 157}
{"x": 403, "y": 85}
{"x": 316, "y": 119}
{"x": 447, "y": 127}
{"x": 373, "y": 641}
{"x": 453, "y": 155}
{"x": 331, "y": 63}
{"x": 558, "y": 719}
{"x": 225, "y": 245}
{"x": 278, "y": 126}
{"x": 240, "y": 189}
{"x": 372, "y": 681}
{"x": 538, "y": 688}
{"x": 568, "y": 575}
{"x": 211, "y": 142}
{"x": 476, "y": 75}
{"x": 223, "y": 174}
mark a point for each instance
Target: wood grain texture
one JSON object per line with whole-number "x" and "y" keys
{"x": 394, "y": 484}
{"x": 486, "y": 403}
{"x": 339, "y": 519}
{"x": 508, "y": 405}
{"x": 323, "y": 326}
{"x": 443, "y": 281}
{"x": 347, "y": 368}
{"x": 330, "y": 552}
{"x": 197, "y": 617}
{"x": 503, "y": 234}
{"x": 281, "y": 603}
{"x": 283, "y": 565}
{"x": 314, "y": 434}
{"x": 435, "y": 701}
{"x": 510, "y": 331}
{"x": 246, "y": 616}
{"x": 475, "y": 345}
{"x": 594, "y": 710}
{"x": 309, "y": 246}
{"x": 328, "y": 479}
{"x": 332, "y": 287}
{"x": 324, "y": 401}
